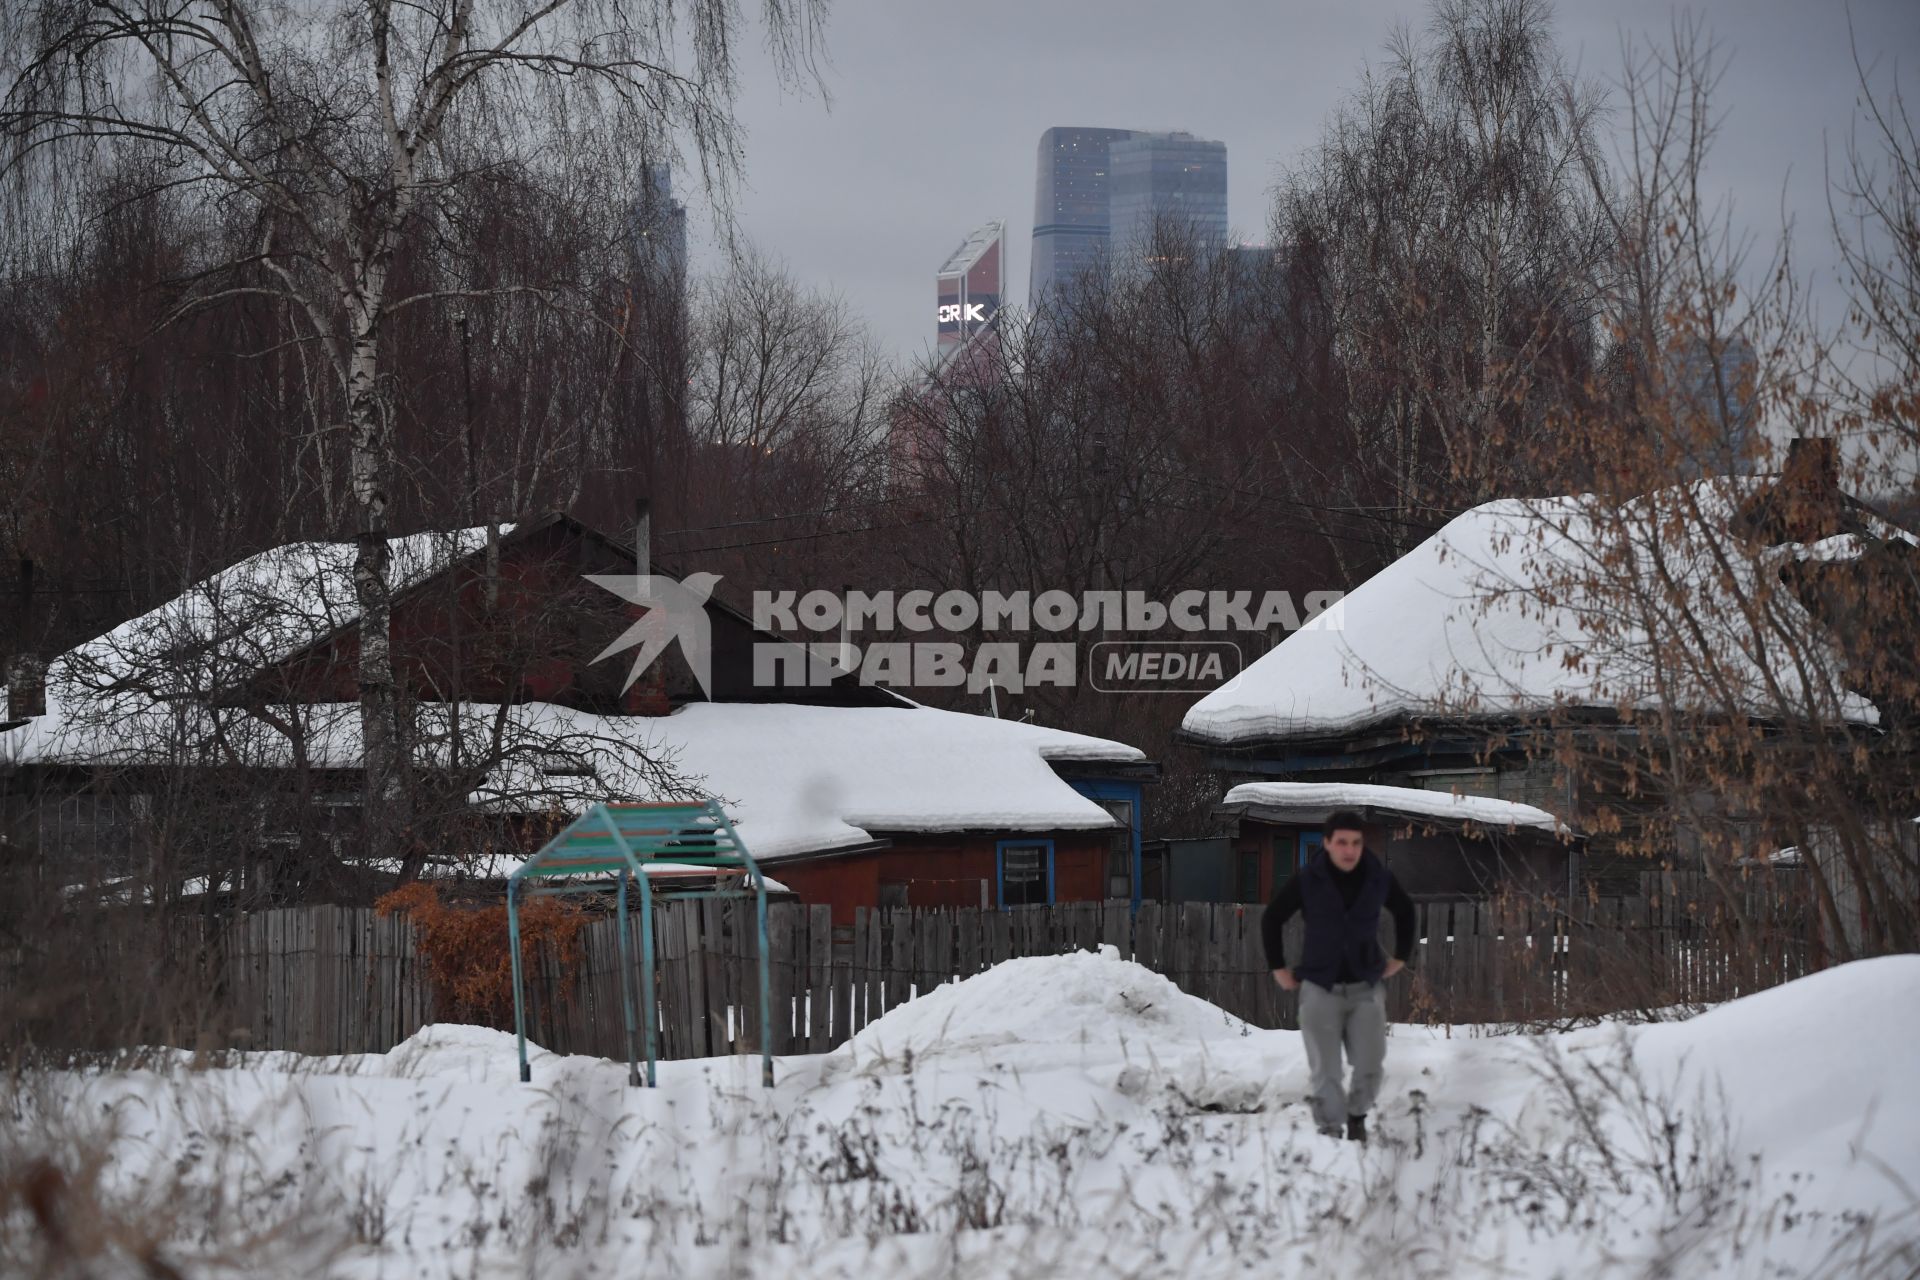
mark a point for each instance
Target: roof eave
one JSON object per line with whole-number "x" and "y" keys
{"x": 1386, "y": 815}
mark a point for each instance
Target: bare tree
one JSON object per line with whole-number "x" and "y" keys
{"x": 1136, "y": 435}
{"x": 1446, "y": 229}
{"x": 777, "y": 465}
{"x": 780, "y": 369}
{"x": 1875, "y": 204}
{"x": 341, "y": 138}
{"x": 1740, "y": 672}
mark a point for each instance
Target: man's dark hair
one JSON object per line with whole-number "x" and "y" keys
{"x": 1343, "y": 820}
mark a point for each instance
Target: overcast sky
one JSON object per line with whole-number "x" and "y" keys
{"x": 938, "y": 109}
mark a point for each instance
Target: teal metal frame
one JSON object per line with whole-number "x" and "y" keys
{"x": 621, "y": 839}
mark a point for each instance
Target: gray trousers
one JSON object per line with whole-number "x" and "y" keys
{"x": 1353, "y": 1016}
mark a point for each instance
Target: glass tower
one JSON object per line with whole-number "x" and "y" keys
{"x": 657, "y": 230}
{"x": 1070, "y": 206}
{"x": 1174, "y": 179}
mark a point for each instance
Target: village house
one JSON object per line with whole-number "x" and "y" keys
{"x": 240, "y": 697}
{"x": 1447, "y": 675}
{"x": 1440, "y": 845}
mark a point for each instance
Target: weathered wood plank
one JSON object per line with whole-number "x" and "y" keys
{"x": 786, "y": 969}
{"x": 327, "y": 979}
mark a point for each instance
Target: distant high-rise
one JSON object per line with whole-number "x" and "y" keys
{"x": 1712, "y": 389}
{"x": 1071, "y": 213}
{"x": 1171, "y": 180}
{"x": 1101, "y": 192}
{"x": 657, "y": 322}
{"x": 658, "y": 230}
{"x": 970, "y": 285}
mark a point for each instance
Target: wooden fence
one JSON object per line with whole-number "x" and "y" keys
{"x": 338, "y": 980}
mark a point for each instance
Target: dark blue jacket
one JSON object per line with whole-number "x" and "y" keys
{"x": 1342, "y": 911}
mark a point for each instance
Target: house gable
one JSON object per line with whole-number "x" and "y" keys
{"x": 532, "y": 632}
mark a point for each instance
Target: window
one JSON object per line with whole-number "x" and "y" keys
{"x": 1310, "y": 841}
{"x": 1026, "y": 874}
{"x": 1284, "y": 855}
{"x": 1153, "y": 874}
{"x": 1246, "y": 887}
{"x": 1120, "y": 849}
{"x": 893, "y": 893}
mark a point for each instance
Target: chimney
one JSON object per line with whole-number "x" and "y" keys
{"x": 1814, "y": 462}
{"x": 1806, "y": 505}
{"x": 1803, "y": 503}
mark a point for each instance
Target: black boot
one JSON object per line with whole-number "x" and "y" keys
{"x": 1357, "y": 1129}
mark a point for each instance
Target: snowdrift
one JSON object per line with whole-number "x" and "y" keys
{"x": 1093, "y": 1002}
{"x": 1073, "y": 1116}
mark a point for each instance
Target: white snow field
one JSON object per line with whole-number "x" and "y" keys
{"x": 1073, "y": 1116}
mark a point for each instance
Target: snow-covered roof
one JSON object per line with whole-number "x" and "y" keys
{"x": 216, "y": 633}
{"x": 796, "y": 779}
{"x": 1314, "y": 801}
{"x": 803, "y": 779}
{"x": 1521, "y": 606}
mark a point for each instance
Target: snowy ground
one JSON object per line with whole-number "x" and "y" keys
{"x": 1062, "y": 1116}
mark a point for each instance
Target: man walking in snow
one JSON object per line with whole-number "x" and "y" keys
{"x": 1341, "y": 972}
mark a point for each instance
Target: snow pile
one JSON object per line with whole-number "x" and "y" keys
{"x": 1810, "y": 1068}
{"x": 452, "y": 1051}
{"x": 1070, "y": 1116}
{"x": 1094, "y": 1002}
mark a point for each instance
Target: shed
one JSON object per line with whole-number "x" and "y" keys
{"x": 1440, "y": 845}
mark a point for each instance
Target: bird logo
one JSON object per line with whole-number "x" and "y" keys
{"x": 676, "y": 610}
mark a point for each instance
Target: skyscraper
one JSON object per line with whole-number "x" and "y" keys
{"x": 656, "y": 322}
{"x": 1071, "y": 215}
{"x": 970, "y": 285}
{"x": 657, "y": 229}
{"x": 1171, "y": 178}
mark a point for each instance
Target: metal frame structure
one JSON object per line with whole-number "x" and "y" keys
{"x": 620, "y": 839}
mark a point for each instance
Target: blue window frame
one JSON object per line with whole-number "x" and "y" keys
{"x": 1285, "y": 860}
{"x": 1108, "y": 789}
{"x": 1290, "y": 852}
{"x": 1023, "y": 872}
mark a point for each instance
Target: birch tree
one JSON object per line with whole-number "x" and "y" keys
{"x": 1446, "y": 227}
{"x": 340, "y": 136}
